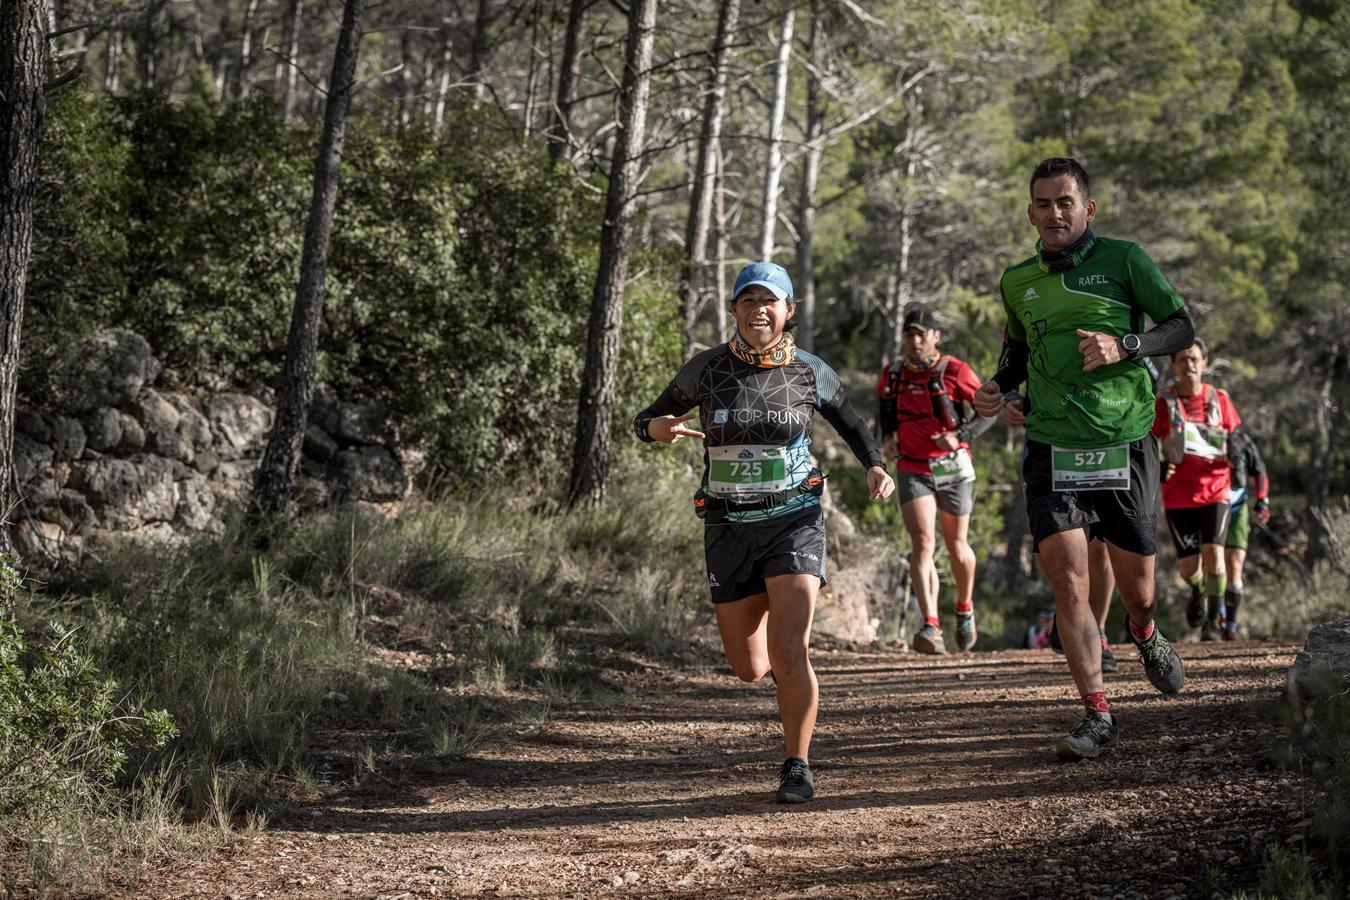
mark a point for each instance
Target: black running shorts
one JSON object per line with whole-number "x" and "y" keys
{"x": 1126, "y": 518}
{"x": 1196, "y": 526}
{"x": 741, "y": 555}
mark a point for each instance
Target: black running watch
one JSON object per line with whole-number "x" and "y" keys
{"x": 1130, "y": 344}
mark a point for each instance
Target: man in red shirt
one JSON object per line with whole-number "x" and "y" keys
{"x": 924, "y": 430}
{"x": 1194, "y": 421}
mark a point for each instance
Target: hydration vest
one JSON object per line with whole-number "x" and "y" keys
{"x": 939, "y": 371}
{"x": 1211, "y": 429}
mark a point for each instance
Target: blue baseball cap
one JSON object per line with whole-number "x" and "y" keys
{"x": 766, "y": 274}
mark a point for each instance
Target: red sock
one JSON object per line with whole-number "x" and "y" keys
{"x": 1104, "y": 643}
{"x": 963, "y": 608}
{"x": 934, "y": 621}
{"x": 1095, "y": 701}
{"x": 1141, "y": 634}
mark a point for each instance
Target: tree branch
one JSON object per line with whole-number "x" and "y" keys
{"x": 57, "y": 83}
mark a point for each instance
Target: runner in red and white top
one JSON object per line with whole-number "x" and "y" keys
{"x": 925, "y": 430}
{"x": 1194, "y": 421}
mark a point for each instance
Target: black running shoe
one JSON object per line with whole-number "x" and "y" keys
{"x": 1109, "y": 663}
{"x": 1161, "y": 663}
{"x": 1209, "y": 631}
{"x": 1195, "y": 610}
{"x": 966, "y": 634}
{"x": 795, "y": 784}
{"x": 1095, "y": 732}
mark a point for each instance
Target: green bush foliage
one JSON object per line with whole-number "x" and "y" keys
{"x": 65, "y": 731}
{"x": 458, "y": 282}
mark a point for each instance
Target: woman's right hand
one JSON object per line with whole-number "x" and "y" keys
{"x": 669, "y": 429}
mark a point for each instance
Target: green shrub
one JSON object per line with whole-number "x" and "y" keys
{"x": 458, "y": 282}
{"x": 65, "y": 733}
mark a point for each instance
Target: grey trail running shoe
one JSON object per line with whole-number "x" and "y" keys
{"x": 929, "y": 641}
{"x": 795, "y": 784}
{"x": 966, "y": 634}
{"x": 1209, "y": 631}
{"x": 1162, "y": 665}
{"x": 1109, "y": 663}
{"x": 1095, "y": 732}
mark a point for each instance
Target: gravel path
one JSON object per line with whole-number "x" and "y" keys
{"x": 935, "y": 778}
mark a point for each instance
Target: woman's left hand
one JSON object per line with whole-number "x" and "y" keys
{"x": 879, "y": 483}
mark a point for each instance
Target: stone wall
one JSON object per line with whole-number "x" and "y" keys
{"x": 122, "y": 450}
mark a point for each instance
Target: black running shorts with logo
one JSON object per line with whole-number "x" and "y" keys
{"x": 1239, "y": 527}
{"x": 953, "y": 499}
{"x": 1196, "y": 526}
{"x": 1128, "y": 519}
{"x": 741, "y": 555}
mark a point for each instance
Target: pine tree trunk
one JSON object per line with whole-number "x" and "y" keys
{"x": 1326, "y": 444}
{"x": 147, "y": 40}
{"x": 599, "y": 388}
{"x": 23, "y": 71}
{"x": 704, "y": 182}
{"x": 289, "y": 68}
{"x": 774, "y": 168}
{"x": 532, "y": 73}
{"x": 723, "y": 242}
{"x": 239, "y": 76}
{"x": 272, "y": 485}
{"x": 406, "y": 98}
{"x": 113, "y": 62}
{"x": 905, "y": 279}
{"x": 569, "y": 70}
{"x": 479, "y": 49}
{"x": 806, "y": 225}
{"x": 443, "y": 85}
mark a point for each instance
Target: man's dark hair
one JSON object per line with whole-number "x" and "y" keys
{"x": 1204, "y": 350}
{"x": 1056, "y": 166}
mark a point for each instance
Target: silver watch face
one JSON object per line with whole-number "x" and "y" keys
{"x": 1130, "y": 342}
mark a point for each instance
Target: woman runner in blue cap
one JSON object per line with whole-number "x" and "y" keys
{"x": 764, "y": 535}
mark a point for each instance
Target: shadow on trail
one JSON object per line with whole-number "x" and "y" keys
{"x": 1015, "y": 765}
{"x": 718, "y": 806}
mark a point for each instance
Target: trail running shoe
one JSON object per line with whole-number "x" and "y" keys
{"x": 1109, "y": 663}
{"x": 1230, "y": 632}
{"x": 1055, "y": 643}
{"x": 1161, "y": 663}
{"x": 795, "y": 784}
{"x": 966, "y": 635}
{"x": 1095, "y": 732}
{"x": 1195, "y": 610}
{"x": 1209, "y": 631}
{"x": 929, "y": 641}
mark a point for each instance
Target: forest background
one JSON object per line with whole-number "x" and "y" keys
{"x": 880, "y": 151}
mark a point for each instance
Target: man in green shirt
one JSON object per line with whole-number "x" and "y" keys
{"x": 1075, "y": 334}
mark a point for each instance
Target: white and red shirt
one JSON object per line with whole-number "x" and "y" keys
{"x": 1198, "y": 480}
{"x": 914, "y": 422}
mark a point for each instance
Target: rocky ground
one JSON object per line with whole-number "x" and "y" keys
{"x": 936, "y": 777}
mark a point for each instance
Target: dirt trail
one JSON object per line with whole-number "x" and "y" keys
{"x": 936, "y": 777}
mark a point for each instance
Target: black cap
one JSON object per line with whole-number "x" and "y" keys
{"x": 920, "y": 317}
